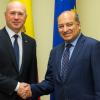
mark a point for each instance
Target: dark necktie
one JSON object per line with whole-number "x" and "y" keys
{"x": 65, "y": 62}
{"x": 16, "y": 49}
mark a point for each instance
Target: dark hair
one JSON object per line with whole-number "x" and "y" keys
{"x": 77, "y": 17}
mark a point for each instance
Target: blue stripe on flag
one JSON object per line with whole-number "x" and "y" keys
{"x": 60, "y": 6}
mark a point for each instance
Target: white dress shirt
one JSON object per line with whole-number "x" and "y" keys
{"x": 11, "y": 35}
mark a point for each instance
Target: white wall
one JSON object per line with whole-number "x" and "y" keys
{"x": 90, "y": 17}
{"x": 43, "y": 12}
{"x": 3, "y": 4}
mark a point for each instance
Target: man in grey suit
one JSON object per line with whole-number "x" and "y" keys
{"x": 76, "y": 76}
{"x": 18, "y": 64}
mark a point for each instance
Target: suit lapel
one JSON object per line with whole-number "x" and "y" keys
{"x": 58, "y": 61}
{"x": 8, "y": 46}
{"x": 75, "y": 54}
{"x": 25, "y": 50}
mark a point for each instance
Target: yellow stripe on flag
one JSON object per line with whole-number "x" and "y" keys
{"x": 29, "y": 27}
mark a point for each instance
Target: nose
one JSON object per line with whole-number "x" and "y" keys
{"x": 65, "y": 28}
{"x": 16, "y": 16}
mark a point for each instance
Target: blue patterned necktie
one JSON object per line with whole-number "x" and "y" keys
{"x": 65, "y": 62}
{"x": 16, "y": 49}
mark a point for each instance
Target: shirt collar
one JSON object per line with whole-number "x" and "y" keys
{"x": 74, "y": 42}
{"x": 12, "y": 33}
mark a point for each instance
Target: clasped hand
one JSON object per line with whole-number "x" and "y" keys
{"x": 24, "y": 91}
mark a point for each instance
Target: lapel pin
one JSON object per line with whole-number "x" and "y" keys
{"x": 26, "y": 41}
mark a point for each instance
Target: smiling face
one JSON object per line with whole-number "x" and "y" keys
{"x": 15, "y": 16}
{"x": 68, "y": 26}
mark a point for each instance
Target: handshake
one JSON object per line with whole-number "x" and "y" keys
{"x": 24, "y": 90}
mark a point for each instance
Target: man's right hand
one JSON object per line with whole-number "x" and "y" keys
{"x": 24, "y": 90}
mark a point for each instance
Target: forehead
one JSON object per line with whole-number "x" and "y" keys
{"x": 66, "y": 16}
{"x": 15, "y": 6}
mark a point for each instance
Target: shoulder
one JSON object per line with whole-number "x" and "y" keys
{"x": 57, "y": 49}
{"x": 88, "y": 40}
{"x": 90, "y": 43}
{"x": 25, "y": 37}
{"x": 2, "y": 30}
{"x": 61, "y": 45}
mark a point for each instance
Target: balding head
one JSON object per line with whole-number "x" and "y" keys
{"x": 68, "y": 25}
{"x": 69, "y": 13}
{"x": 16, "y": 4}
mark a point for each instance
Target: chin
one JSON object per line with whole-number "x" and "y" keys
{"x": 68, "y": 40}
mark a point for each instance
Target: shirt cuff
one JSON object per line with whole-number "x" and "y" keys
{"x": 16, "y": 89}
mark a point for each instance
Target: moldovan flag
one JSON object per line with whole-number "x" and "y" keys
{"x": 29, "y": 26}
{"x": 60, "y": 6}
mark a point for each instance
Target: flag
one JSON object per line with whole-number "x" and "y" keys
{"x": 60, "y": 6}
{"x": 29, "y": 26}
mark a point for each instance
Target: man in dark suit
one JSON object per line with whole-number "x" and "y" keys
{"x": 78, "y": 77}
{"x": 15, "y": 73}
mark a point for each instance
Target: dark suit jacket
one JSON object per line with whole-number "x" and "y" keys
{"x": 9, "y": 73}
{"x": 83, "y": 78}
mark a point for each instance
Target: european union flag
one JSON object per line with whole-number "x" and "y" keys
{"x": 60, "y": 6}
